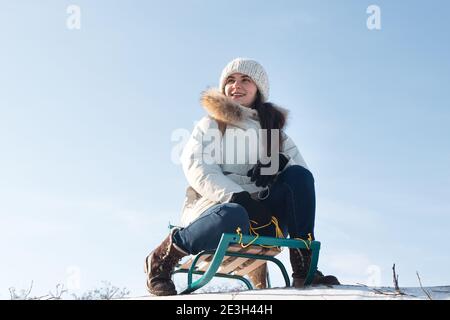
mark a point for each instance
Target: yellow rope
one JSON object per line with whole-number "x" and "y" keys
{"x": 278, "y": 232}
{"x": 309, "y": 240}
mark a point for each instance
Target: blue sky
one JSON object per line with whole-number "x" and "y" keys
{"x": 87, "y": 185}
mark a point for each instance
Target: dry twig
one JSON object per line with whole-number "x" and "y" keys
{"x": 396, "y": 287}
{"x": 23, "y": 294}
{"x": 420, "y": 282}
{"x": 385, "y": 292}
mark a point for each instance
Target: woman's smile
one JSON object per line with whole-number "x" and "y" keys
{"x": 241, "y": 88}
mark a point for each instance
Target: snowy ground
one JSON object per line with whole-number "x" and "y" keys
{"x": 343, "y": 292}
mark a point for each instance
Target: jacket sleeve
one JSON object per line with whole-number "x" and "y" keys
{"x": 291, "y": 151}
{"x": 206, "y": 177}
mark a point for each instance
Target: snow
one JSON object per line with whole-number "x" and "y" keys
{"x": 342, "y": 292}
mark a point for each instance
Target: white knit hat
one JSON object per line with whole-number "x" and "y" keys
{"x": 250, "y": 68}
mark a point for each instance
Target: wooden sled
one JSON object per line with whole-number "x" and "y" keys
{"x": 233, "y": 259}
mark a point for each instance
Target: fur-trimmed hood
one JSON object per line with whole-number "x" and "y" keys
{"x": 225, "y": 110}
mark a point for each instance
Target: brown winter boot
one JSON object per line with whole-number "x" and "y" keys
{"x": 159, "y": 266}
{"x": 300, "y": 261}
{"x": 259, "y": 277}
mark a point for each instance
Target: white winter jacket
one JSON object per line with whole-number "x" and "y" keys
{"x": 212, "y": 177}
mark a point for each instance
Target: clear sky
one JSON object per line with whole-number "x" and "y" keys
{"x": 87, "y": 184}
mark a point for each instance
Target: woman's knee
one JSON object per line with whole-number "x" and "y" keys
{"x": 233, "y": 216}
{"x": 297, "y": 173}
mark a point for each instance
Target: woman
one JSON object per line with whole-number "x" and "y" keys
{"x": 224, "y": 195}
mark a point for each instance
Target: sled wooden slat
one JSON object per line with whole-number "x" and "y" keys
{"x": 234, "y": 265}
{"x": 231, "y": 263}
{"x": 231, "y": 260}
{"x": 248, "y": 266}
{"x": 228, "y": 268}
{"x": 251, "y": 264}
{"x": 243, "y": 266}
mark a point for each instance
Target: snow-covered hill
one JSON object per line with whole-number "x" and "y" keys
{"x": 343, "y": 292}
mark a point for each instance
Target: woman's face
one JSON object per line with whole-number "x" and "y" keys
{"x": 241, "y": 88}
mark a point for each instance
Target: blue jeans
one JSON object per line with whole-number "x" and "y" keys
{"x": 291, "y": 200}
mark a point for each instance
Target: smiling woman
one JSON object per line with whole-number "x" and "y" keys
{"x": 241, "y": 88}
{"x": 223, "y": 197}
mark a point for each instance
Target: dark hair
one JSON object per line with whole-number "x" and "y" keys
{"x": 269, "y": 118}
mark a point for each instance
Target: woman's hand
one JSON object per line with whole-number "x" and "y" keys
{"x": 256, "y": 210}
{"x": 265, "y": 180}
